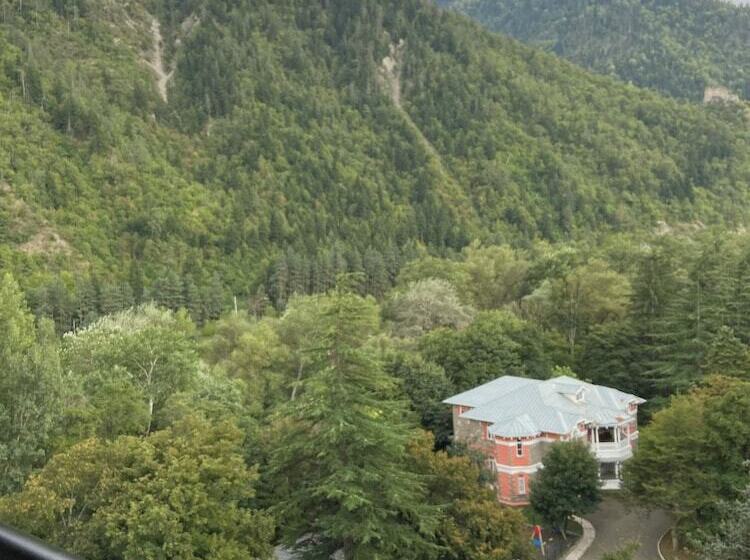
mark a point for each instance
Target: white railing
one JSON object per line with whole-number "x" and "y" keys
{"x": 612, "y": 450}
{"x": 611, "y": 484}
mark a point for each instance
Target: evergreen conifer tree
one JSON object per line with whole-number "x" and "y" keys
{"x": 340, "y": 460}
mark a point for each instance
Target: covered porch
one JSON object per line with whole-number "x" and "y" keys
{"x": 610, "y": 442}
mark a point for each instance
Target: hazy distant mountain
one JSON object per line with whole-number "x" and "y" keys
{"x": 677, "y": 46}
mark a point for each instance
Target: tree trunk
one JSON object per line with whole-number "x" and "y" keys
{"x": 348, "y": 550}
{"x": 22, "y": 75}
{"x": 150, "y": 414}
{"x": 296, "y": 383}
{"x": 572, "y": 341}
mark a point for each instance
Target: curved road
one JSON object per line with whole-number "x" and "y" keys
{"x": 616, "y": 525}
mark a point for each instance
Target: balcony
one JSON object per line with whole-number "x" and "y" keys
{"x": 615, "y": 451}
{"x": 610, "y": 443}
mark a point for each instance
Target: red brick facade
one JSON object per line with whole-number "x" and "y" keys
{"x": 515, "y": 461}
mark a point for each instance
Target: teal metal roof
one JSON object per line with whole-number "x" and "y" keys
{"x": 520, "y": 407}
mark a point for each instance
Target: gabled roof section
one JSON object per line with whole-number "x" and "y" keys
{"x": 490, "y": 391}
{"x": 520, "y": 426}
{"x": 520, "y": 407}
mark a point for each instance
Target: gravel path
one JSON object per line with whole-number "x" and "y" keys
{"x": 616, "y": 525}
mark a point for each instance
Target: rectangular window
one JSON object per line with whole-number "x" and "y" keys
{"x": 519, "y": 448}
{"x": 521, "y": 486}
{"x": 608, "y": 471}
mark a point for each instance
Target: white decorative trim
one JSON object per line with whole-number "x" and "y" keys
{"x": 526, "y": 469}
{"x": 615, "y": 453}
{"x": 525, "y": 442}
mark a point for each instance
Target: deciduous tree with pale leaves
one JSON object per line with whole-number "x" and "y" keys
{"x": 148, "y": 348}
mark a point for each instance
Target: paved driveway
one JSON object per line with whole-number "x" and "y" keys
{"x": 616, "y": 525}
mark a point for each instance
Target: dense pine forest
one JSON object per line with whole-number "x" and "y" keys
{"x": 248, "y": 247}
{"x": 679, "y": 47}
{"x": 279, "y": 159}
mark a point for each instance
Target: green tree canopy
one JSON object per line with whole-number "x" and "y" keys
{"x": 497, "y": 275}
{"x": 30, "y": 387}
{"x": 703, "y": 435}
{"x": 350, "y": 485}
{"x": 182, "y": 492}
{"x": 567, "y": 485}
{"x": 474, "y": 526}
{"x": 676, "y": 47}
{"x": 731, "y": 541}
{"x": 727, "y": 355}
{"x": 426, "y": 305}
{"x": 148, "y": 349}
{"x": 427, "y": 386}
{"x": 586, "y": 296}
{"x": 496, "y": 343}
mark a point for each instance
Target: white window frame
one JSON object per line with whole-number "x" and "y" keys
{"x": 519, "y": 447}
{"x": 521, "y": 485}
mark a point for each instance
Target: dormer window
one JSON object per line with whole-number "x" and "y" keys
{"x": 574, "y": 392}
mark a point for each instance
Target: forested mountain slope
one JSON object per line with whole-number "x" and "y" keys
{"x": 679, "y": 47}
{"x": 279, "y": 157}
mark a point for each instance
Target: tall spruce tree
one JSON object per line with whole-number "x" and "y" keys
{"x": 727, "y": 355}
{"x": 340, "y": 464}
{"x": 703, "y": 300}
{"x": 30, "y": 385}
